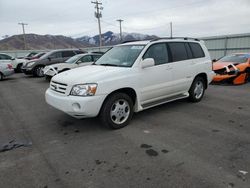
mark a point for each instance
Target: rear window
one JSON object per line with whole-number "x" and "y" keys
{"x": 68, "y": 53}
{"x": 234, "y": 58}
{"x": 196, "y": 50}
{"x": 178, "y": 51}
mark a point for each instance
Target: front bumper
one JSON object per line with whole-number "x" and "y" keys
{"x": 78, "y": 107}
{"x": 27, "y": 71}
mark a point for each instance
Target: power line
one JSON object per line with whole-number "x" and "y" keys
{"x": 98, "y": 15}
{"x": 24, "y": 37}
{"x": 120, "y": 22}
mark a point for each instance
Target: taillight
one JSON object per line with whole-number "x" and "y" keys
{"x": 9, "y": 66}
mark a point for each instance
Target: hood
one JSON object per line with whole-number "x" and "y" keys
{"x": 89, "y": 74}
{"x": 219, "y": 65}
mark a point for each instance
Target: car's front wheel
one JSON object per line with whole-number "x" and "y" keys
{"x": 38, "y": 71}
{"x": 117, "y": 111}
{"x": 197, "y": 90}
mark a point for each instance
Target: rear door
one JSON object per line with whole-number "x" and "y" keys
{"x": 181, "y": 61}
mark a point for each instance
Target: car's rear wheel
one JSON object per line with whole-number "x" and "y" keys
{"x": 197, "y": 90}
{"x": 117, "y": 111}
{"x": 1, "y": 76}
{"x": 38, "y": 71}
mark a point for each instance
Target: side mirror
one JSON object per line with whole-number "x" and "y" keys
{"x": 49, "y": 58}
{"x": 148, "y": 62}
{"x": 214, "y": 60}
{"x": 12, "y": 58}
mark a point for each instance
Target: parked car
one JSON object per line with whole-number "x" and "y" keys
{"x": 233, "y": 69}
{"x": 73, "y": 62}
{"x": 35, "y": 67}
{"x": 6, "y": 69}
{"x": 132, "y": 77}
{"x": 37, "y": 56}
{"x": 30, "y": 55}
{"x": 16, "y": 63}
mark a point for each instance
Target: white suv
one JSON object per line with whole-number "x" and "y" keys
{"x": 132, "y": 77}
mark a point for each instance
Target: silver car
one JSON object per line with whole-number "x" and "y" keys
{"x": 6, "y": 69}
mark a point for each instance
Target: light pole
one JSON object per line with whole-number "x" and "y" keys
{"x": 120, "y": 22}
{"x": 24, "y": 37}
{"x": 98, "y": 15}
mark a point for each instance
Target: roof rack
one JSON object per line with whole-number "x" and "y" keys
{"x": 184, "y": 38}
{"x": 130, "y": 41}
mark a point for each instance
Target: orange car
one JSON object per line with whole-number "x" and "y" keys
{"x": 233, "y": 69}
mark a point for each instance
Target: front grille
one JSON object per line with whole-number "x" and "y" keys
{"x": 58, "y": 87}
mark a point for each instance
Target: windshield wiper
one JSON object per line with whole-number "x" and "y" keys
{"x": 107, "y": 64}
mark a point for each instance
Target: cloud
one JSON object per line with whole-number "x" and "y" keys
{"x": 75, "y": 18}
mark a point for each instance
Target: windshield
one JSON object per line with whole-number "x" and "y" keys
{"x": 73, "y": 59}
{"x": 121, "y": 56}
{"x": 236, "y": 58}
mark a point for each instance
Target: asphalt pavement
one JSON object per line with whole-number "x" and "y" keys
{"x": 179, "y": 144}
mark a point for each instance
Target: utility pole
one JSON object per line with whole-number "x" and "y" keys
{"x": 98, "y": 15}
{"x": 171, "y": 30}
{"x": 120, "y": 22}
{"x": 24, "y": 37}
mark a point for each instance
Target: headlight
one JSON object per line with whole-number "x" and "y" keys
{"x": 30, "y": 64}
{"x": 84, "y": 90}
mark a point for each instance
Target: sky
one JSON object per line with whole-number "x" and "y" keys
{"x": 75, "y": 18}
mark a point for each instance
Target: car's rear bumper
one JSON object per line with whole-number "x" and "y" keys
{"x": 78, "y": 107}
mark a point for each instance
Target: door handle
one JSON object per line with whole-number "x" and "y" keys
{"x": 169, "y": 68}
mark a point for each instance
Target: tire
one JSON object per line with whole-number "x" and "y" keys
{"x": 197, "y": 90}
{"x": 19, "y": 68}
{"x": 117, "y": 111}
{"x": 1, "y": 76}
{"x": 38, "y": 71}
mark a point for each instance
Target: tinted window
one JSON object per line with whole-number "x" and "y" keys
{"x": 56, "y": 55}
{"x": 178, "y": 51}
{"x": 234, "y": 58}
{"x": 68, "y": 54}
{"x": 96, "y": 57}
{"x": 158, "y": 52}
{"x": 197, "y": 50}
{"x": 5, "y": 57}
{"x": 79, "y": 52}
{"x": 85, "y": 59}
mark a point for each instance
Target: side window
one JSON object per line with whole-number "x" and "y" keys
{"x": 197, "y": 50}
{"x": 96, "y": 57}
{"x": 85, "y": 59}
{"x": 178, "y": 51}
{"x": 5, "y": 57}
{"x": 68, "y": 53}
{"x": 79, "y": 52}
{"x": 56, "y": 55}
{"x": 158, "y": 52}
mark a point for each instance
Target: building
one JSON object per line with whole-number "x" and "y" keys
{"x": 219, "y": 46}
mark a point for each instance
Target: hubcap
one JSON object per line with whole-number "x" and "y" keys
{"x": 198, "y": 91}
{"x": 40, "y": 71}
{"x": 120, "y": 111}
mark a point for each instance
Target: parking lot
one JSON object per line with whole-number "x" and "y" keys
{"x": 179, "y": 144}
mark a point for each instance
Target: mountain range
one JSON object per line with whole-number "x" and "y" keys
{"x": 43, "y": 42}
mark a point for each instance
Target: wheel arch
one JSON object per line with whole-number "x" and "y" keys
{"x": 127, "y": 90}
{"x": 204, "y": 76}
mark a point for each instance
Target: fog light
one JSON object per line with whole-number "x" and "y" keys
{"x": 76, "y": 107}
